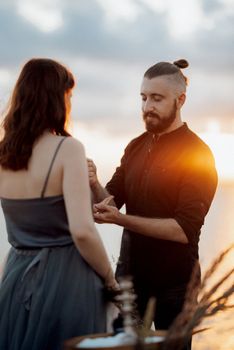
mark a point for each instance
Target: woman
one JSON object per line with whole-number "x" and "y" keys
{"x": 52, "y": 284}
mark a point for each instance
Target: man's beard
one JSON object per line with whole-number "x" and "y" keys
{"x": 163, "y": 122}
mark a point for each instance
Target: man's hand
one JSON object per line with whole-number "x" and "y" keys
{"x": 99, "y": 193}
{"x": 92, "y": 169}
{"x": 104, "y": 213}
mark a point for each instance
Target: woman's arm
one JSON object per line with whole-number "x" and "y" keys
{"x": 78, "y": 206}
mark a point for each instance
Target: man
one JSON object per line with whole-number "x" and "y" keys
{"x": 167, "y": 180}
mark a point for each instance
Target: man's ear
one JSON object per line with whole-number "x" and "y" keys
{"x": 180, "y": 100}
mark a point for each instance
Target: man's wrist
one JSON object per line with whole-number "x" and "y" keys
{"x": 120, "y": 219}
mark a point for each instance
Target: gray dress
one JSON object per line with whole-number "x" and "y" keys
{"x": 48, "y": 292}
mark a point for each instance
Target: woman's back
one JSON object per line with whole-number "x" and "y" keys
{"x": 44, "y": 262}
{"x": 29, "y": 183}
{"x": 52, "y": 284}
{"x": 37, "y": 220}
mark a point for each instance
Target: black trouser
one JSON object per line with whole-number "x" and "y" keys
{"x": 169, "y": 303}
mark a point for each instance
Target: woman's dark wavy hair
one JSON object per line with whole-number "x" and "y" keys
{"x": 37, "y": 104}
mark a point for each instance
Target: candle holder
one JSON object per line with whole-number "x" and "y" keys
{"x": 126, "y": 302}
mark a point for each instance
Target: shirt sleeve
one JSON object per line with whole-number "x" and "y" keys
{"x": 116, "y": 185}
{"x": 197, "y": 189}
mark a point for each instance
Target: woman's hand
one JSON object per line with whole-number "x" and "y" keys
{"x": 110, "y": 281}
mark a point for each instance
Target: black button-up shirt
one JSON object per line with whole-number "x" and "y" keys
{"x": 167, "y": 176}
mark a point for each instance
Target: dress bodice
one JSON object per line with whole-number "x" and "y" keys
{"x": 36, "y": 222}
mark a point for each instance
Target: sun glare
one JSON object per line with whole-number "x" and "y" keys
{"x": 222, "y": 146}
{"x": 107, "y": 150}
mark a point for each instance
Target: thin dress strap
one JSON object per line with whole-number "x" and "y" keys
{"x": 50, "y": 168}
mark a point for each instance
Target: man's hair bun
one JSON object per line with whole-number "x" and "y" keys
{"x": 181, "y": 63}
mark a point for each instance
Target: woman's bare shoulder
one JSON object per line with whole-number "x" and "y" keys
{"x": 72, "y": 143}
{"x": 73, "y": 147}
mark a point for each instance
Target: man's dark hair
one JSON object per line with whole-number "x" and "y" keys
{"x": 167, "y": 68}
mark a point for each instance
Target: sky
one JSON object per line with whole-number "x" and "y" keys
{"x": 109, "y": 44}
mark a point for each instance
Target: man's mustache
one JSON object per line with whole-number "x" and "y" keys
{"x": 151, "y": 115}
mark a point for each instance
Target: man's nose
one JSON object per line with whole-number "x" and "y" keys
{"x": 147, "y": 106}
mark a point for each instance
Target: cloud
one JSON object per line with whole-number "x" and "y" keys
{"x": 127, "y": 10}
{"x": 44, "y": 14}
{"x": 146, "y": 32}
{"x": 109, "y": 44}
{"x": 181, "y": 25}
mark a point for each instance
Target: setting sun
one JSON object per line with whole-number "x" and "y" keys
{"x": 222, "y": 146}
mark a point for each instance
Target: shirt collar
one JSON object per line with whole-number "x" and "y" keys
{"x": 172, "y": 134}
